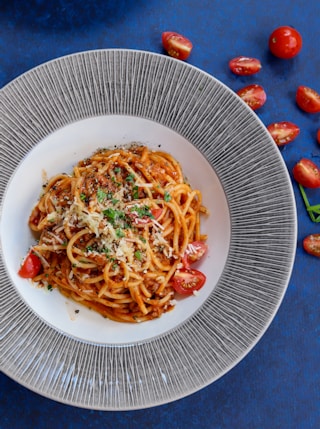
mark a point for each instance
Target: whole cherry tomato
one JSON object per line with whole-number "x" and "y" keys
{"x": 307, "y": 173}
{"x": 244, "y": 66}
{"x": 308, "y": 99}
{"x": 254, "y": 95}
{"x": 176, "y": 45}
{"x": 311, "y": 244}
{"x": 285, "y": 42}
{"x": 31, "y": 266}
{"x": 283, "y": 132}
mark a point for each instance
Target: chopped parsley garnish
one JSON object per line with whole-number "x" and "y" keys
{"x": 142, "y": 211}
{"x": 120, "y": 233}
{"x": 135, "y": 194}
{"x": 167, "y": 197}
{"x": 114, "y": 215}
{"x": 114, "y": 267}
{"x": 138, "y": 255}
{"x": 101, "y": 195}
{"x": 117, "y": 170}
{"x": 83, "y": 197}
{"x": 130, "y": 177}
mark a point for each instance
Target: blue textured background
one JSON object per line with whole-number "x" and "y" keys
{"x": 278, "y": 384}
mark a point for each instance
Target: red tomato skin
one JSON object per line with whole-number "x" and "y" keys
{"x": 186, "y": 281}
{"x": 195, "y": 253}
{"x": 254, "y": 95}
{"x": 31, "y": 266}
{"x": 307, "y": 173}
{"x": 244, "y": 66}
{"x": 285, "y": 42}
{"x": 283, "y": 132}
{"x": 311, "y": 244}
{"x": 176, "y": 45}
{"x": 318, "y": 136}
{"x": 308, "y": 99}
{"x": 156, "y": 213}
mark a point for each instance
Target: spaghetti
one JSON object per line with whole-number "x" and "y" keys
{"x": 115, "y": 233}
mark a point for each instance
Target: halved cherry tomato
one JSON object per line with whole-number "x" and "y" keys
{"x": 318, "y": 136}
{"x": 307, "y": 173}
{"x": 285, "y": 42}
{"x": 186, "y": 281}
{"x": 283, "y": 132}
{"x": 311, "y": 244}
{"x": 194, "y": 253}
{"x": 308, "y": 99}
{"x": 31, "y": 266}
{"x": 176, "y": 45}
{"x": 254, "y": 95}
{"x": 156, "y": 212}
{"x": 244, "y": 66}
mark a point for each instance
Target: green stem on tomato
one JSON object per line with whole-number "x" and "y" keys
{"x": 310, "y": 209}
{"x": 315, "y": 209}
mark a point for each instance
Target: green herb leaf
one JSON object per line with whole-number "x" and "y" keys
{"x": 167, "y": 197}
{"x": 135, "y": 194}
{"x": 130, "y": 177}
{"x": 101, "y": 195}
{"x": 114, "y": 267}
{"x": 138, "y": 255}
{"x": 120, "y": 233}
{"x": 113, "y": 215}
{"x": 142, "y": 211}
{"x": 83, "y": 197}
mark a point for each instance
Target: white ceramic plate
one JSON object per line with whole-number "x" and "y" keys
{"x": 62, "y": 111}
{"x": 58, "y": 153}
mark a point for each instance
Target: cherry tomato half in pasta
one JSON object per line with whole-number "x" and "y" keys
{"x": 176, "y": 45}
{"x": 244, "y": 66}
{"x": 31, "y": 266}
{"x": 285, "y": 42}
{"x": 283, "y": 132}
{"x": 311, "y": 244}
{"x": 254, "y": 95}
{"x": 308, "y": 99}
{"x": 194, "y": 253}
{"x": 307, "y": 173}
{"x": 186, "y": 281}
